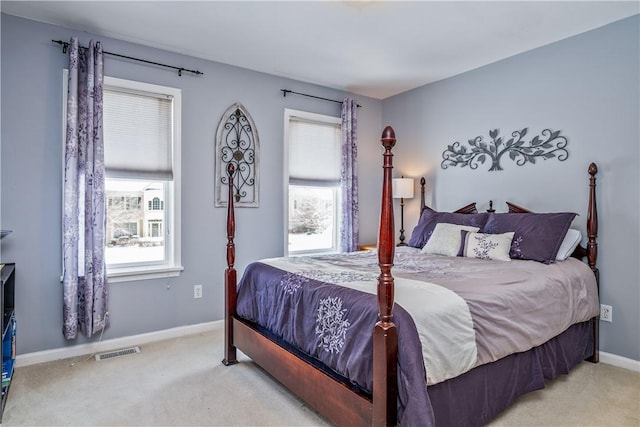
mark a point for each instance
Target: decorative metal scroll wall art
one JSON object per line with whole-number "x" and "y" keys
{"x": 237, "y": 142}
{"x": 548, "y": 145}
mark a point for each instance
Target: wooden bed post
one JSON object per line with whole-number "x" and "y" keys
{"x": 592, "y": 252}
{"x": 423, "y": 183}
{"x": 230, "y": 278}
{"x": 385, "y": 334}
{"x": 592, "y": 221}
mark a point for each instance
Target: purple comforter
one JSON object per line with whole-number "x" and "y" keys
{"x": 333, "y": 324}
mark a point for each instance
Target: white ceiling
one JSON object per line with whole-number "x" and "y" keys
{"x": 371, "y": 48}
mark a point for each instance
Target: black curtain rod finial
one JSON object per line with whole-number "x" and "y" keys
{"x": 64, "y": 45}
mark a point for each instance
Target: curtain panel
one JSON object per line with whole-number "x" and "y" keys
{"x": 349, "y": 177}
{"x": 84, "y": 219}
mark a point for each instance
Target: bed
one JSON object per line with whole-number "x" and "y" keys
{"x": 356, "y": 352}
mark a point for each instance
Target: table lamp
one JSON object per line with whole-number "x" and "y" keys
{"x": 402, "y": 188}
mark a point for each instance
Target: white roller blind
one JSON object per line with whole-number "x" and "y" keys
{"x": 137, "y": 134}
{"x": 314, "y": 151}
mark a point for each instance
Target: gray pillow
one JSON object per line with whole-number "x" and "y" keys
{"x": 445, "y": 239}
{"x": 430, "y": 218}
{"x": 537, "y": 236}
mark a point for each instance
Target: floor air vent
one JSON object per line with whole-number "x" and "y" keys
{"x": 117, "y": 353}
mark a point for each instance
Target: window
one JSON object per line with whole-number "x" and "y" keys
{"x": 142, "y": 161}
{"x": 313, "y": 159}
{"x": 141, "y": 124}
{"x": 156, "y": 204}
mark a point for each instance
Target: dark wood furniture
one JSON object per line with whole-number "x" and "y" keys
{"x": 330, "y": 397}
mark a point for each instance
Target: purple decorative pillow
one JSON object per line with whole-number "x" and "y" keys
{"x": 430, "y": 218}
{"x": 537, "y": 236}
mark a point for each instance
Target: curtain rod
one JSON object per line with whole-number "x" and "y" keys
{"x": 286, "y": 91}
{"x": 65, "y": 45}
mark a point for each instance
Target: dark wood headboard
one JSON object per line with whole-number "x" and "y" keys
{"x": 590, "y": 251}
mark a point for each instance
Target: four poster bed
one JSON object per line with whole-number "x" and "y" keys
{"x": 359, "y": 359}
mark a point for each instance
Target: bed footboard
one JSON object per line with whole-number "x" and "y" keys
{"x": 331, "y": 398}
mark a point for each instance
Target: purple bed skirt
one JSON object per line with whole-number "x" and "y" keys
{"x": 476, "y": 397}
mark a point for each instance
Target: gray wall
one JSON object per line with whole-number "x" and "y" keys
{"x": 31, "y": 179}
{"x": 586, "y": 86}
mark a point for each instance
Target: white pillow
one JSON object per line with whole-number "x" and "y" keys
{"x": 487, "y": 246}
{"x": 445, "y": 239}
{"x": 569, "y": 244}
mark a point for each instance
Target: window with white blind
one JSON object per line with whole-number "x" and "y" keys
{"x": 313, "y": 163}
{"x": 141, "y": 124}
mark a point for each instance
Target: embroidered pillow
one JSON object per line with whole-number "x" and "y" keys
{"x": 537, "y": 236}
{"x": 445, "y": 239}
{"x": 485, "y": 246}
{"x": 430, "y": 218}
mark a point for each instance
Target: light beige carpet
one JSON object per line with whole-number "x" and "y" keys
{"x": 181, "y": 382}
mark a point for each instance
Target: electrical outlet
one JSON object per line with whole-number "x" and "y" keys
{"x": 606, "y": 313}
{"x": 197, "y": 291}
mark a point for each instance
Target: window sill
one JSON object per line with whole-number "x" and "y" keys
{"x": 138, "y": 273}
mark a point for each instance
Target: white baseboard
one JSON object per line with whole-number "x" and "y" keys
{"x": 140, "y": 339}
{"x": 619, "y": 361}
{"x": 112, "y": 344}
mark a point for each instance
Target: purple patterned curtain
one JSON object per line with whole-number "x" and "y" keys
{"x": 349, "y": 177}
{"x": 84, "y": 222}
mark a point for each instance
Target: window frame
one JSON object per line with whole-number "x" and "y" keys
{"x": 322, "y": 119}
{"x": 171, "y": 266}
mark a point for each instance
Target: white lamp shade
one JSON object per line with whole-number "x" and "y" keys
{"x": 402, "y": 188}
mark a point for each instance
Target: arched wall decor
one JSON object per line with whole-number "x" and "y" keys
{"x": 237, "y": 142}
{"x": 548, "y": 145}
